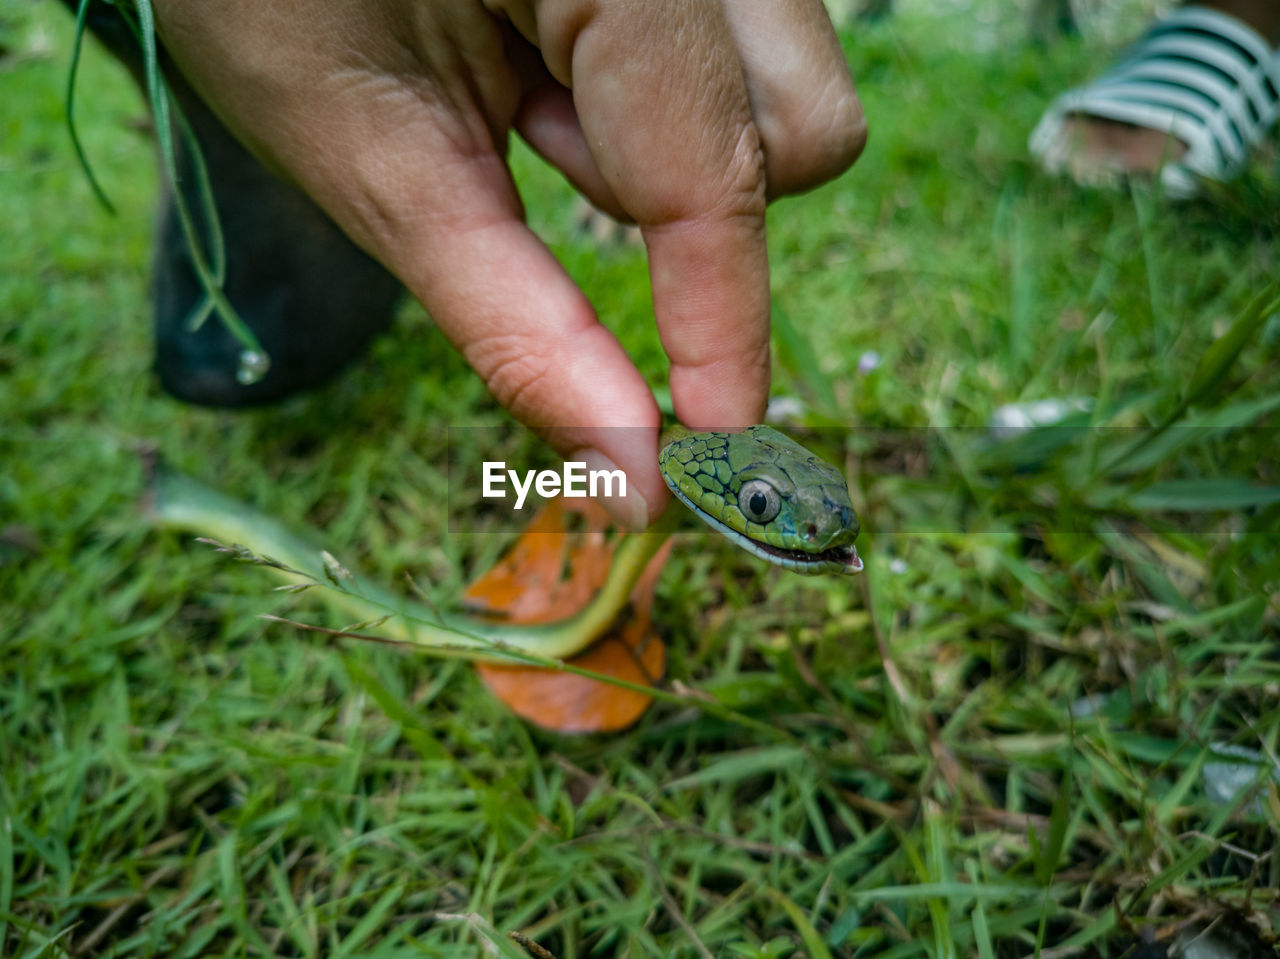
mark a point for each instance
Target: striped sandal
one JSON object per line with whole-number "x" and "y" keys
{"x": 1198, "y": 75}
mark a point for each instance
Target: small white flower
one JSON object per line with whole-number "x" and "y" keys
{"x": 783, "y": 409}
{"x": 868, "y": 361}
{"x": 1016, "y": 418}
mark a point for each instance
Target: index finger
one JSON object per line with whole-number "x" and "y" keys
{"x": 663, "y": 104}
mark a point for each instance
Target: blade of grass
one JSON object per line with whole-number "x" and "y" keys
{"x": 1224, "y": 351}
{"x": 982, "y": 932}
{"x": 163, "y": 109}
{"x": 1209, "y": 372}
{"x": 6, "y": 874}
{"x": 1059, "y": 819}
{"x": 233, "y": 894}
{"x": 735, "y": 768}
{"x": 798, "y": 357}
{"x": 370, "y": 922}
{"x": 1201, "y": 428}
{"x": 1210, "y": 495}
{"x": 808, "y": 934}
{"x": 77, "y": 47}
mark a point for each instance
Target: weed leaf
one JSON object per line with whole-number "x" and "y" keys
{"x": 1218, "y": 359}
{"x": 1204, "y": 495}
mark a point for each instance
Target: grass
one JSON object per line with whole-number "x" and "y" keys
{"x": 1000, "y": 741}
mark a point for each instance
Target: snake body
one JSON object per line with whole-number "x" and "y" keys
{"x": 760, "y": 489}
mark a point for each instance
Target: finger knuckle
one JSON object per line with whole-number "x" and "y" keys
{"x": 844, "y": 129}
{"x": 512, "y": 368}
{"x": 813, "y": 141}
{"x": 745, "y": 173}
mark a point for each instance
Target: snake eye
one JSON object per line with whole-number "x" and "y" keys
{"x": 758, "y": 501}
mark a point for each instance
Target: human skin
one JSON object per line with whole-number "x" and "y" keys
{"x": 684, "y": 116}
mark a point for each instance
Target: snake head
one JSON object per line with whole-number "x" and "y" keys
{"x": 769, "y": 495}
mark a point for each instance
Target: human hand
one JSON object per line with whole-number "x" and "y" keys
{"x": 682, "y": 115}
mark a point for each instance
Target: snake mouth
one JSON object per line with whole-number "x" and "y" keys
{"x": 838, "y": 559}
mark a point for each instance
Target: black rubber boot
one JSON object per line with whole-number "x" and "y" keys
{"x": 311, "y": 296}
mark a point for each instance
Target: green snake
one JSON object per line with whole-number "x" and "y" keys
{"x": 760, "y": 489}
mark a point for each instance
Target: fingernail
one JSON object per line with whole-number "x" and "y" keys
{"x": 629, "y": 511}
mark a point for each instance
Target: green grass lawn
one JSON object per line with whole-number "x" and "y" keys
{"x": 1006, "y": 738}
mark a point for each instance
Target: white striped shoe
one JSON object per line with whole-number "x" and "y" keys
{"x": 1198, "y": 75}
